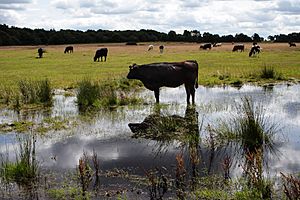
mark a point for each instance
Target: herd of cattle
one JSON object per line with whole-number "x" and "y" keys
{"x": 168, "y": 74}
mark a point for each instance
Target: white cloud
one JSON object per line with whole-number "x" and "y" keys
{"x": 215, "y": 16}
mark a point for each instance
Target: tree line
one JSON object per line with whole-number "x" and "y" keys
{"x": 26, "y": 36}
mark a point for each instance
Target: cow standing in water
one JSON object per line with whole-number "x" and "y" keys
{"x": 69, "y": 49}
{"x": 169, "y": 74}
{"x": 101, "y": 53}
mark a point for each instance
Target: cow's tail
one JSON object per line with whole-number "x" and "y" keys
{"x": 196, "y": 81}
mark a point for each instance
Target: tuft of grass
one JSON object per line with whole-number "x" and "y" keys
{"x": 93, "y": 95}
{"x": 25, "y": 170}
{"x": 34, "y": 92}
{"x": 268, "y": 73}
{"x": 88, "y": 93}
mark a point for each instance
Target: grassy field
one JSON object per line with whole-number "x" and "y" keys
{"x": 216, "y": 66}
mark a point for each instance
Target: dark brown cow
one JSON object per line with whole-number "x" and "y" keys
{"x": 69, "y": 49}
{"x": 238, "y": 47}
{"x": 40, "y": 52}
{"x": 205, "y": 46}
{"x": 169, "y": 74}
{"x": 101, "y": 53}
{"x": 161, "y": 48}
{"x": 292, "y": 44}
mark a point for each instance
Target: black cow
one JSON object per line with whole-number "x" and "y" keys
{"x": 169, "y": 74}
{"x": 69, "y": 49}
{"x": 292, "y": 44}
{"x": 254, "y": 50}
{"x": 161, "y": 48}
{"x": 205, "y": 46}
{"x": 40, "y": 52}
{"x": 101, "y": 53}
{"x": 238, "y": 47}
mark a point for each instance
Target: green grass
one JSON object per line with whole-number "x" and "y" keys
{"x": 65, "y": 70}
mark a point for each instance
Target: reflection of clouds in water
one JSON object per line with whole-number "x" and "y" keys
{"x": 289, "y": 161}
{"x": 108, "y": 132}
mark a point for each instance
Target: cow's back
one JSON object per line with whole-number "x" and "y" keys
{"x": 168, "y": 74}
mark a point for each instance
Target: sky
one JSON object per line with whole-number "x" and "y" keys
{"x": 223, "y": 17}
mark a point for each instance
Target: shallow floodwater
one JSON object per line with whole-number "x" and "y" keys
{"x": 108, "y": 134}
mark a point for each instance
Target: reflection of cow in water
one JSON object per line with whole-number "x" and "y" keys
{"x": 238, "y": 47}
{"x": 40, "y": 52}
{"x": 100, "y": 53}
{"x": 167, "y": 128}
{"x": 169, "y": 74}
{"x": 69, "y": 49}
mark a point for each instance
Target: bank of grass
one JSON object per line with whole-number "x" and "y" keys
{"x": 65, "y": 70}
{"x": 92, "y": 94}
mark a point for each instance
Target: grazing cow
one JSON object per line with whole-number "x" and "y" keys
{"x": 292, "y": 44}
{"x": 255, "y": 49}
{"x": 40, "y": 52}
{"x": 101, "y": 53}
{"x": 150, "y": 47}
{"x": 205, "y": 46}
{"x": 69, "y": 49}
{"x": 161, "y": 48}
{"x": 217, "y": 44}
{"x": 169, "y": 74}
{"x": 238, "y": 47}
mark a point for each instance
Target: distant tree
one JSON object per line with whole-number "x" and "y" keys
{"x": 172, "y": 36}
{"x": 256, "y": 38}
{"x": 271, "y": 38}
{"x": 242, "y": 38}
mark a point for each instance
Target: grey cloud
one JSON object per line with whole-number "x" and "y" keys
{"x": 290, "y": 7}
{"x": 7, "y": 18}
{"x": 11, "y": 7}
{"x": 15, "y": 1}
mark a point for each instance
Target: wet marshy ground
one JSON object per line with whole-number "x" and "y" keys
{"x": 131, "y": 142}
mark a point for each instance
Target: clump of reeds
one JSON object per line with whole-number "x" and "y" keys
{"x": 270, "y": 73}
{"x": 93, "y": 95}
{"x": 267, "y": 72}
{"x": 85, "y": 173}
{"x": 32, "y": 92}
{"x": 253, "y": 135}
{"x": 88, "y": 93}
{"x": 291, "y": 186}
{"x": 158, "y": 183}
{"x": 97, "y": 169}
{"x": 24, "y": 171}
{"x": 180, "y": 177}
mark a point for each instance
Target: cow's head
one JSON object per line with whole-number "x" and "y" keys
{"x": 133, "y": 71}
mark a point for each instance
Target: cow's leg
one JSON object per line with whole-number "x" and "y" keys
{"x": 101, "y": 58}
{"x": 192, "y": 90}
{"x": 188, "y": 93}
{"x": 156, "y": 94}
